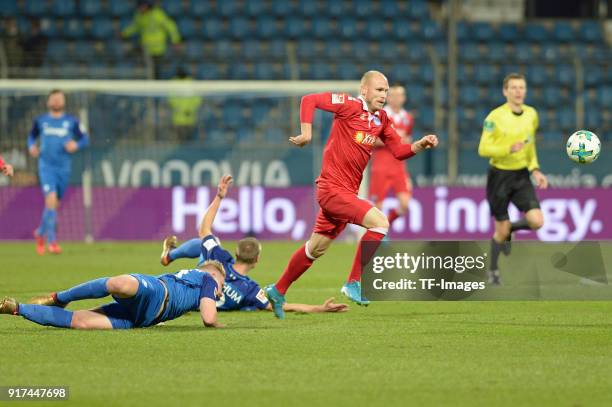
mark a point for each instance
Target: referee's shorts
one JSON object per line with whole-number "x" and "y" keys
{"x": 505, "y": 186}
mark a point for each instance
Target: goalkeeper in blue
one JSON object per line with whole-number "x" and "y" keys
{"x": 54, "y": 137}
{"x": 240, "y": 292}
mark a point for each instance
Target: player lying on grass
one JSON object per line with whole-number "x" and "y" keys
{"x": 140, "y": 300}
{"x": 240, "y": 292}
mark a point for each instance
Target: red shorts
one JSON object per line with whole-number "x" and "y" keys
{"x": 337, "y": 209}
{"x": 382, "y": 182}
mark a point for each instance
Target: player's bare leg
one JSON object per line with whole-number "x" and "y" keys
{"x": 533, "y": 220}
{"x": 502, "y": 232}
{"x": 377, "y": 225}
{"x": 90, "y": 319}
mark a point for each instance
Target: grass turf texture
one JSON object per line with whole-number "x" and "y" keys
{"x": 392, "y": 353}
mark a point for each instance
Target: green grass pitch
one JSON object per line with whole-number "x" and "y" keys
{"x": 391, "y": 353}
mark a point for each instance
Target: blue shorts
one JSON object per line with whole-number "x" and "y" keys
{"x": 140, "y": 310}
{"x": 53, "y": 180}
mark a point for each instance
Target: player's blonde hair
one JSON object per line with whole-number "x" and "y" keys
{"x": 511, "y": 76}
{"x": 248, "y": 250}
{"x": 214, "y": 263}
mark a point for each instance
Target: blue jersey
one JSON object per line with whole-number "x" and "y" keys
{"x": 239, "y": 292}
{"x": 185, "y": 290}
{"x": 54, "y": 133}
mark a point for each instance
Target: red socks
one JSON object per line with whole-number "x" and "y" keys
{"x": 371, "y": 235}
{"x": 299, "y": 263}
{"x": 392, "y": 216}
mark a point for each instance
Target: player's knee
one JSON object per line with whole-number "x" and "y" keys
{"x": 120, "y": 285}
{"x": 316, "y": 251}
{"x": 536, "y": 223}
{"x": 381, "y": 223}
{"x": 78, "y": 322}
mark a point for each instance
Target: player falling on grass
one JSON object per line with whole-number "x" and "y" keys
{"x": 389, "y": 173}
{"x": 358, "y": 123}
{"x": 240, "y": 292}
{"x": 60, "y": 136}
{"x": 140, "y": 300}
{"x": 508, "y": 139}
{"x": 6, "y": 168}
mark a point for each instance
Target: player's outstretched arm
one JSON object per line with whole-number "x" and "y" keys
{"x": 208, "y": 312}
{"x": 328, "y": 306}
{"x": 330, "y": 102}
{"x": 213, "y": 208}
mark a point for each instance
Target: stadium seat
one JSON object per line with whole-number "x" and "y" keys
{"x": 186, "y": 27}
{"x": 415, "y": 94}
{"x": 232, "y": 115}
{"x": 565, "y": 74}
{"x": 102, "y": 28}
{"x": 592, "y": 75}
{"x": 431, "y": 31}
{"x": 264, "y": 71}
{"x": 590, "y": 31}
{"x": 348, "y": 71}
{"x": 592, "y": 118}
{"x": 484, "y": 74}
{"x": 73, "y": 28}
{"x": 402, "y": 30}
{"x": 266, "y": 27}
{"x": 536, "y": 33}
{"x": 362, "y": 8}
{"x": 208, "y": 72}
{"x": 240, "y": 71}
{"x": 321, "y": 28}
{"x": 239, "y": 28}
{"x": 295, "y": 27}
{"x": 347, "y": 27}
{"x": 426, "y": 117}
{"x": 509, "y": 32}
{"x": 223, "y": 49}
{"x": 48, "y": 28}
{"x": 308, "y": 8}
{"x": 336, "y": 9}
{"x": 522, "y": 52}
{"x": 604, "y": 95}
{"x": 194, "y": 50}
{"x": 469, "y": 95}
{"x": 426, "y": 73}
{"x": 469, "y": 52}
{"x": 563, "y": 32}
{"x": 360, "y": 50}
{"x": 333, "y": 49}
{"x": 174, "y": 8}
{"x": 62, "y": 8}
{"x": 306, "y": 49}
{"x": 120, "y": 8}
{"x": 416, "y": 52}
{"x": 376, "y": 28}
{"x": 36, "y": 8}
{"x": 552, "y": 96}
{"x": 482, "y": 32}
{"x": 276, "y": 49}
{"x": 550, "y": 52}
{"x": 536, "y": 75}
{"x": 83, "y": 50}
{"x": 283, "y": 8}
{"x": 496, "y": 52}
{"x": 320, "y": 71}
{"x": 56, "y": 51}
{"x": 389, "y": 8}
{"x": 212, "y": 28}
{"x": 552, "y": 135}
{"x": 565, "y": 119}
{"x": 8, "y": 8}
{"x": 90, "y": 8}
{"x": 115, "y": 49}
{"x": 417, "y": 9}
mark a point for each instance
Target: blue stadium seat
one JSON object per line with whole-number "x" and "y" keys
{"x": 522, "y": 52}
{"x": 604, "y": 95}
{"x": 276, "y": 49}
{"x": 333, "y": 49}
{"x": 48, "y": 28}
{"x": 591, "y": 32}
{"x": 282, "y": 8}
{"x": 347, "y": 27}
{"x": 431, "y": 31}
{"x": 362, "y": 8}
{"x": 462, "y": 30}
{"x": 592, "y": 118}
{"x": 240, "y": 71}
{"x": 550, "y": 52}
{"x": 202, "y": 8}
{"x": 417, "y": 9}
{"x": 232, "y": 115}
{"x": 402, "y": 30}
{"x": 426, "y": 117}
{"x": 62, "y": 8}
{"x": 294, "y": 27}
{"x": 186, "y": 27}
{"x": 360, "y": 50}
{"x": 250, "y": 49}
{"x": 484, "y": 74}
{"x": 482, "y": 32}
{"x": 194, "y": 50}
{"x": 551, "y": 135}
{"x": 239, "y": 28}
{"x": 56, "y": 51}
{"x": 565, "y": 74}
{"x": 321, "y": 71}
{"x": 441, "y": 49}
{"x": 321, "y": 28}
{"x": 564, "y": 32}
{"x": 347, "y": 71}
{"x": 469, "y": 52}
{"x": 469, "y": 95}
{"x": 73, "y": 28}
{"x": 120, "y": 8}
{"x": 592, "y": 75}
{"x": 8, "y": 8}
{"x": 416, "y": 52}
{"x": 115, "y": 49}
{"x": 173, "y": 8}
{"x": 265, "y": 71}
{"x": 84, "y": 50}
{"x": 565, "y": 119}
{"x": 536, "y": 75}
{"x": 308, "y": 8}
{"x": 306, "y": 49}
{"x": 496, "y": 52}
{"x": 536, "y": 32}
{"x": 426, "y": 73}
{"x": 415, "y": 94}
{"x": 212, "y": 28}
{"x": 256, "y": 8}
{"x": 274, "y": 135}
{"x": 36, "y": 8}
{"x": 336, "y": 9}
{"x": 266, "y": 27}
{"x": 223, "y": 49}
{"x": 90, "y": 8}
{"x": 388, "y": 8}
{"x": 102, "y": 28}
{"x": 375, "y": 29}
{"x": 208, "y": 71}
{"x": 509, "y": 32}
{"x": 388, "y": 51}
{"x": 552, "y": 96}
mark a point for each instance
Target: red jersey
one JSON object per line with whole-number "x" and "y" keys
{"x": 382, "y": 158}
{"x": 351, "y": 140}
{"x": 2, "y": 164}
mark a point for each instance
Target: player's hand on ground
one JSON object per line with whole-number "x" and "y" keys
{"x": 330, "y": 306}
{"x": 516, "y": 147}
{"x": 427, "y": 142}
{"x": 8, "y": 170}
{"x": 300, "y": 140}
{"x": 540, "y": 179}
{"x": 34, "y": 151}
{"x": 224, "y": 184}
{"x": 71, "y": 146}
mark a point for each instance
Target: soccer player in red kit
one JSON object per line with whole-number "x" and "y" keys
{"x": 387, "y": 171}
{"x": 358, "y": 123}
{"x": 5, "y": 168}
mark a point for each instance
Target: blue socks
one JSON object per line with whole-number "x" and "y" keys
{"x": 190, "y": 249}
{"x": 91, "y": 289}
{"x": 51, "y": 225}
{"x": 42, "y": 229}
{"x": 45, "y": 315}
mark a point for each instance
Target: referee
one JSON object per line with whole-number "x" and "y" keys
{"x": 508, "y": 140}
